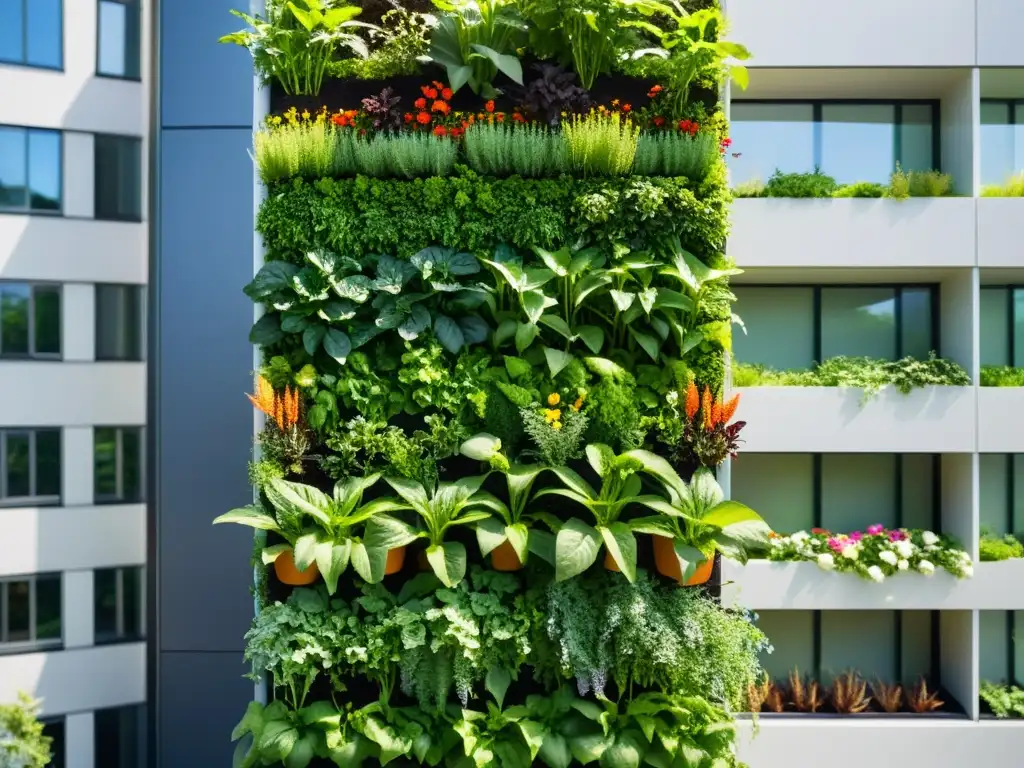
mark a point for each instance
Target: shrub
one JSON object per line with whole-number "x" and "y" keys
{"x": 992, "y": 549}
{"x": 1013, "y": 187}
{"x": 676, "y": 154}
{"x": 904, "y": 184}
{"x": 1001, "y": 376}
{"x": 816, "y": 184}
{"x": 751, "y": 188}
{"x": 861, "y": 189}
{"x": 498, "y": 149}
{"x": 1003, "y": 700}
{"x": 600, "y": 144}
{"x": 22, "y": 743}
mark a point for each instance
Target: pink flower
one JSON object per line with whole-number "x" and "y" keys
{"x": 874, "y": 530}
{"x": 834, "y": 544}
{"x": 897, "y": 535}
{"x": 856, "y": 536}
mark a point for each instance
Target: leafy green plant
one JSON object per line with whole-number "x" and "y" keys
{"x": 676, "y": 154}
{"x": 994, "y": 549}
{"x": 405, "y": 155}
{"x": 815, "y": 184}
{"x": 297, "y": 41}
{"x": 474, "y": 40}
{"x": 1001, "y": 376}
{"x": 458, "y": 503}
{"x": 904, "y": 184}
{"x": 1013, "y": 187}
{"x": 556, "y": 433}
{"x": 308, "y": 150}
{"x": 861, "y": 189}
{"x": 22, "y": 743}
{"x": 600, "y": 144}
{"x": 500, "y": 150}
{"x": 1004, "y": 700}
{"x": 751, "y": 188}
{"x": 400, "y": 45}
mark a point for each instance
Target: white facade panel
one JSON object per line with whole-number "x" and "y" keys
{"x": 851, "y": 232}
{"x": 999, "y": 27}
{"x": 56, "y": 394}
{"x": 871, "y": 33}
{"x": 78, "y": 609}
{"x": 1001, "y": 232}
{"x": 78, "y": 322}
{"x": 838, "y": 420}
{"x": 79, "y": 181}
{"x": 77, "y": 468}
{"x": 1000, "y": 419}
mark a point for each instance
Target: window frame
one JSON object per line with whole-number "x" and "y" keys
{"x": 121, "y": 634}
{"x": 28, "y": 210}
{"x": 24, "y": 42}
{"x": 33, "y": 499}
{"x": 898, "y": 105}
{"x": 1010, "y": 315}
{"x": 33, "y": 643}
{"x": 119, "y": 496}
{"x": 132, "y": 6}
{"x": 32, "y": 354}
{"x": 141, "y": 299}
{"x": 934, "y": 298}
{"x": 136, "y": 140}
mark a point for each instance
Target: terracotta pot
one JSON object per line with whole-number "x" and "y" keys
{"x": 287, "y": 573}
{"x": 505, "y": 558}
{"x": 609, "y": 562}
{"x": 395, "y": 561}
{"x": 667, "y": 563}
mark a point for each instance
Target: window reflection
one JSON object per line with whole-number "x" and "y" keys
{"x": 770, "y": 136}
{"x": 858, "y": 322}
{"x": 857, "y": 142}
{"x": 43, "y": 33}
{"x": 1002, "y": 140}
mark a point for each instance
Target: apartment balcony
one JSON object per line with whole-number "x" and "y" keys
{"x": 764, "y": 586}
{"x": 999, "y": 222}
{"x": 869, "y": 33}
{"x": 840, "y": 420}
{"x": 853, "y": 232}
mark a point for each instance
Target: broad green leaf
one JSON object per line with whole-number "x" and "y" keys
{"x": 497, "y": 682}
{"x": 654, "y": 526}
{"x": 505, "y": 331}
{"x": 647, "y": 298}
{"x": 448, "y": 332}
{"x": 669, "y": 299}
{"x": 278, "y": 740}
{"x": 576, "y": 548}
{"x": 409, "y": 490}
{"x": 322, "y": 714}
{"x": 354, "y": 288}
{"x": 688, "y": 557}
{"x": 369, "y": 562}
{"x": 299, "y": 499}
{"x": 542, "y": 544}
{"x": 740, "y": 75}
{"x": 525, "y": 334}
{"x": 337, "y": 345}
{"x": 303, "y": 752}
{"x": 305, "y": 551}
{"x": 254, "y": 517}
{"x": 588, "y": 285}
{"x": 332, "y": 560}
{"x": 294, "y": 322}
{"x": 650, "y": 344}
{"x": 621, "y": 544}
{"x": 592, "y": 336}
{"x": 601, "y": 458}
{"x": 273, "y": 276}
{"x": 392, "y": 275}
{"x": 417, "y": 321}
{"x": 458, "y": 76}
{"x": 558, "y": 262}
{"x": 506, "y": 63}
{"x": 337, "y": 311}
{"x": 519, "y": 537}
{"x": 312, "y": 336}
{"x": 554, "y": 751}
{"x": 556, "y": 360}
{"x": 490, "y": 534}
{"x": 392, "y": 744}
{"x": 533, "y": 734}
{"x": 622, "y": 300}
{"x": 251, "y": 722}
{"x": 588, "y": 748}
{"x": 558, "y": 325}
{"x": 267, "y": 330}
{"x": 448, "y": 562}
{"x": 474, "y": 329}
{"x": 574, "y": 482}
{"x": 660, "y": 468}
{"x": 534, "y": 304}
{"x": 626, "y": 752}
{"x": 270, "y": 554}
{"x": 386, "y": 532}
{"x": 481, "y": 446}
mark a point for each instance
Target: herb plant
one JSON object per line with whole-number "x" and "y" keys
{"x": 1004, "y": 700}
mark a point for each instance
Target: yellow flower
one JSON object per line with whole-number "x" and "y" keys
{"x": 554, "y": 399}
{"x": 552, "y": 415}
{"x": 556, "y": 426}
{"x": 578, "y": 404}
{"x": 615, "y": 102}
{"x": 305, "y": 114}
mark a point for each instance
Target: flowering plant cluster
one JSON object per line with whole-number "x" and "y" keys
{"x": 701, "y": 434}
{"x": 876, "y": 553}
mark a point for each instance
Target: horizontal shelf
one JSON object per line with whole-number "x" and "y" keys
{"x": 765, "y": 586}
{"x": 853, "y": 232}
{"x": 839, "y": 420}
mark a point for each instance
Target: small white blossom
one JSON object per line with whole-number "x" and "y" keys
{"x": 904, "y": 549}
{"x": 826, "y": 562}
{"x": 800, "y": 536}
{"x": 778, "y": 543}
{"x": 851, "y": 552}
{"x": 929, "y": 538}
{"x": 932, "y": 548}
{"x": 902, "y": 565}
{"x": 887, "y": 556}
{"x": 876, "y": 573}
{"x": 926, "y": 567}
{"x": 967, "y": 571}
{"x": 964, "y": 556}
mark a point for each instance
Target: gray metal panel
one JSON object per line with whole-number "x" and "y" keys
{"x": 203, "y": 83}
{"x": 205, "y": 421}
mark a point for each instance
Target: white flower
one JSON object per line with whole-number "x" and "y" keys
{"x": 876, "y": 573}
{"x": 904, "y": 549}
{"x": 778, "y": 543}
{"x": 964, "y": 556}
{"x": 799, "y": 536}
{"x": 851, "y": 552}
{"x": 926, "y": 567}
{"x": 929, "y": 538}
{"x": 902, "y": 565}
{"x": 931, "y": 548}
{"x": 826, "y": 562}
{"x": 886, "y": 556}
{"x": 967, "y": 571}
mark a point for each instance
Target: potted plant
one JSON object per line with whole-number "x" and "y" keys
{"x": 319, "y": 531}
{"x": 695, "y": 523}
{"x": 458, "y": 503}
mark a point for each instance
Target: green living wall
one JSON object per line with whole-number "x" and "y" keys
{"x": 495, "y": 314}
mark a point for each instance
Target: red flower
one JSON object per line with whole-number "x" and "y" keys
{"x": 408, "y": 117}
{"x": 655, "y": 90}
{"x": 440, "y": 106}
{"x": 518, "y": 118}
{"x": 423, "y": 118}
{"x": 627, "y": 107}
{"x": 338, "y": 120}
{"x": 818, "y": 530}
{"x": 430, "y": 93}
{"x": 659, "y": 121}
{"x": 438, "y": 85}
{"x": 489, "y": 106}
{"x": 455, "y": 132}
{"x": 420, "y": 103}
{"x": 726, "y": 143}
{"x": 684, "y": 125}
{"x": 440, "y": 131}
{"x": 501, "y": 117}
{"x": 446, "y": 94}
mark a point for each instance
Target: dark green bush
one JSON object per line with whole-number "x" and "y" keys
{"x": 816, "y": 184}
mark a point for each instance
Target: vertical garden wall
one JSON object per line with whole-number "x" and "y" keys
{"x": 495, "y": 321}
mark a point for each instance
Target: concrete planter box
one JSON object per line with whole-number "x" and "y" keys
{"x": 811, "y": 33}
{"x": 1000, "y": 419}
{"x": 835, "y": 420}
{"x": 1000, "y": 226}
{"x": 852, "y": 232}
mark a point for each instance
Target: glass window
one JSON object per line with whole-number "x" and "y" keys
{"x": 30, "y": 612}
{"x": 31, "y": 33}
{"x": 29, "y": 320}
{"x": 858, "y": 322}
{"x": 860, "y": 640}
{"x": 858, "y": 142}
{"x": 769, "y": 137}
{"x": 54, "y": 728}
{"x": 31, "y": 466}
{"x": 858, "y": 490}
{"x": 915, "y": 140}
{"x": 119, "y": 38}
{"x": 792, "y": 635}
{"x": 1002, "y": 140}
{"x": 119, "y": 737}
{"x": 780, "y": 326}
{"x": 916, "y": 325}
{"x": 781, "y": 485}
{"x": 118, "y": 460}
{"x": 30, "y": 169}
{"x": 118, "y": 178}
{"x": 118, "y": 614}
{"x": 120, "y": 322}
{"x": 995, "y": 332}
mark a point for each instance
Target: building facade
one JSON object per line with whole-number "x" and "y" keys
{"x": 854, "y": 89}
{"x": 73, "y": 272}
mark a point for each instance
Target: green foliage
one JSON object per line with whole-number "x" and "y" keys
{"x": 1004, "y": 700}
{"x": 752, "y": 188}
{"x": 405, "y": 155}
{"x": 557, "y": 440}
{"x": 474, "y": 40}
{"x": 613, "y": 412}
{"x": 816, "y": 184}
{"x": 402, "y": 39}
{"x": 870, "y": 374}
{"x": 500, "y": 149}
{"x": 676, "y": 154}
{"x": 309, "y": 150}
{"x": 993, "y": 549}
{"x": 1001, "y": 376}
{"x": 904, "y": 184}
{"x": 262, "y": 472}
{"x": 22, "y": 743}
{"x": 1013, "y": 187}
{"x": 861, "y": 189}
{"x": 600, "y": 144}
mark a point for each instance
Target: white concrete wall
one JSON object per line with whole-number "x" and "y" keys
{"x": 960, "y": 116}
{"x": 46, "y": 394}
{"x": 959, "y": 318}
{"x": 999, "y": 26}
{"x": 1000, "y": 231}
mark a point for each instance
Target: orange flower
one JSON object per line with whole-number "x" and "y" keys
{"x": 440, "y": 131}
{"x": 692, "y": 401}
{"x": 615, "y": 102}
{"x": 716, "y": 413}
{"x": 518, "y": 118}
{"x": 291, "y": 407}
{"x": 423, "y": 118}
{"x": 408, "y": 117}
{"x": 655, "y": 90}
{"x": 730, "y": 408}
{"x": 446, "y": 94}
{"x": 489, "y": 106}
{"x": 440, "y": 106}
{"x": 627, "y": 107}
{"x": 264, "y": 397}
{"x": 430, "y": 93}
{"x": 706, "y": 403}
{"x": 501, "y": 117}
{"x": 339, "y": 120}
{"x": 420, "y": 103}
{"x": 456, "y": 132}
{"x": 437, "y": 84}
